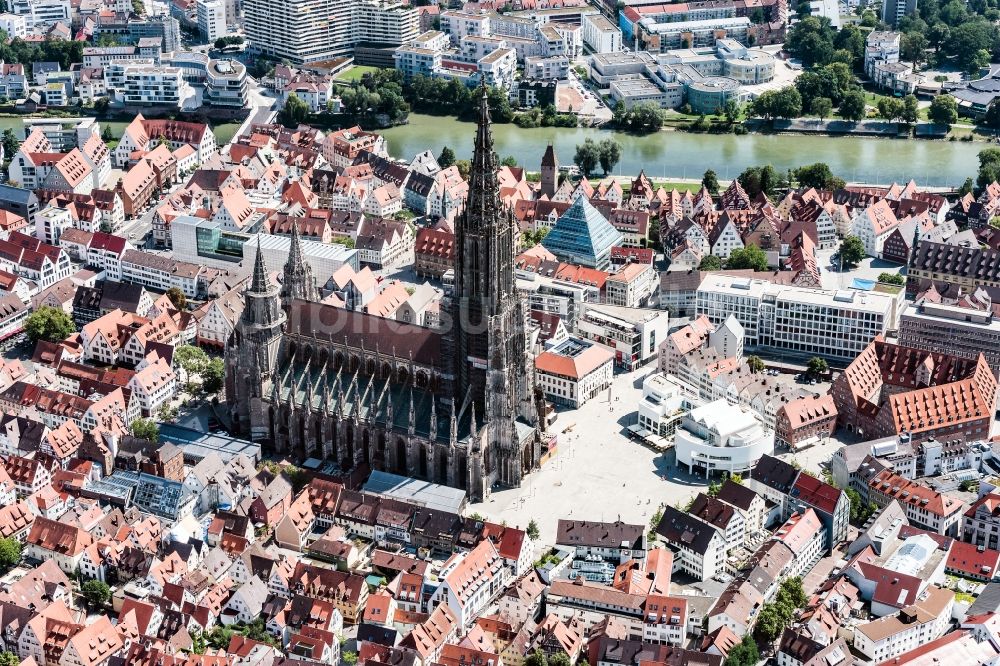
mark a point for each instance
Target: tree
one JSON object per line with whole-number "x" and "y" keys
{"x": 509, "y": 161}
{"x": 710, "y": 182}
{"x": 944, "y": 110}
{"x": 587, "y": 156}
{"x": 860, "y": 512}
{"x": 610, "y": 153}
{"x": 770, "y": 623}
{"x": 731, "y": 109}
{"x": 783, "y": 103}
{"x": 654, "y": 522}
{"x": 295, "y": 111}
{"x": 532, "y": 530}
{"x": 559, "y": 659}
{"x": 10, "y": 553}
{"x": 107, "y": 135}
{"x": 213, "y": 376}
{"x": 536, "y": 658}
{"x": 891, "y": 278}
{"x": 10, "y": 143}
{"x": 852, "y": 106}
{"x": 910, "y": 109}
{"x": 755, "y": 363}
{"x": 852, "y": 251}
{"x": 96, "y": 592}
{"x": 710, "y": 262}
{"x": 146, "y": 429}
{"x": 350, "y": 658}
{"x": 822, "y": 107}
{"x": 713, "y": 489}
{"x": 817, "y": 366}
{"x": 446, "y": 158}
{"x": 966, "y": 188}
{"x": 751, "y": 257}
{"x": 464, "y": 167}
{"x": 792, "y": 592}
{"x": 49, "y": 324}
{"x": 744, "y": 653}
{"x": 192, "y": 360}
{"x": 890, "y": 108}
{"x": 818, "y": 175}
{"x": 177, "y": 297}
{"x": 756, "y": 180}
{"x": 912, "y": 46}
{"x": 991, "y": 118}
{"x": 138, "y": 7}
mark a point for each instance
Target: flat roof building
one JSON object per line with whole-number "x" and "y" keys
{"x": 811, "y": 322}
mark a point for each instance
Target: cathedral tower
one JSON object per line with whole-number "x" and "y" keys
{"x": 492, "y": 364}
{"x": 297, "y": 280}
{"x": 252, "y": 350}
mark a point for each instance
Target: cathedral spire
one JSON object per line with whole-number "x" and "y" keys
{"x": 483, "y": 200}
{"x": 259, "y": 284}
{"x": 297, "y": 281}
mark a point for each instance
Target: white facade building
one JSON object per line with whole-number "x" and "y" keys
{"x": 811, "y": 322}
{"x": 600, "y": 34}
{"x": 664, "y": 403}
{"x": 720, "y": 437}
{"x": 14, "y": 25}
{"x": 574, "y": 371}
{"x": 212, "y": 19}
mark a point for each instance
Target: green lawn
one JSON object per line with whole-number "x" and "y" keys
{"x": 355, "y": 73}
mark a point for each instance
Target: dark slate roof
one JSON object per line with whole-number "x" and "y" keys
{"x": 598, "y": 534}
{"x": 736, "y": 494}
{"x": 677, "y": 527}
{"x": 775, "y": 473}
{"x": 969, "y": 262}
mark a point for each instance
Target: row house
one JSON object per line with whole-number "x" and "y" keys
{"x": 925, "y": 508}
{"x": 698, "y": 547}
{"x": 142, "y": 135}
{"x": 34, "y": 260}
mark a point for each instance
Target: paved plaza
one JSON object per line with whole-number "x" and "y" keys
{"x": 601, "y": 474}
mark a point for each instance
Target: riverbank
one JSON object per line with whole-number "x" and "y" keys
{"x": 683, "y": 156}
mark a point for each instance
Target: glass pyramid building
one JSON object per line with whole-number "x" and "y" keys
{"x": 583, "y": 236}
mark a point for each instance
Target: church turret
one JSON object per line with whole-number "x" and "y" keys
{"x": 297, "y": 279}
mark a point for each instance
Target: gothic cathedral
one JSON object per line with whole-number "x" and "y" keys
{"x": 455, "y": 405}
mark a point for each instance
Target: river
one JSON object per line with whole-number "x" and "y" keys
{"x": 932, "y": 163}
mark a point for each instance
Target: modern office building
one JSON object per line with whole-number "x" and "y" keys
{"x": 664, "y": 404}
{"x": 808, "y": 322}
{"x": 148, "y": 84}
{"x": 223, "y": 81}
{"x": 42, "y": 13}
{"x": 658, "y": 36}
{"x": 720, "y": 437}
